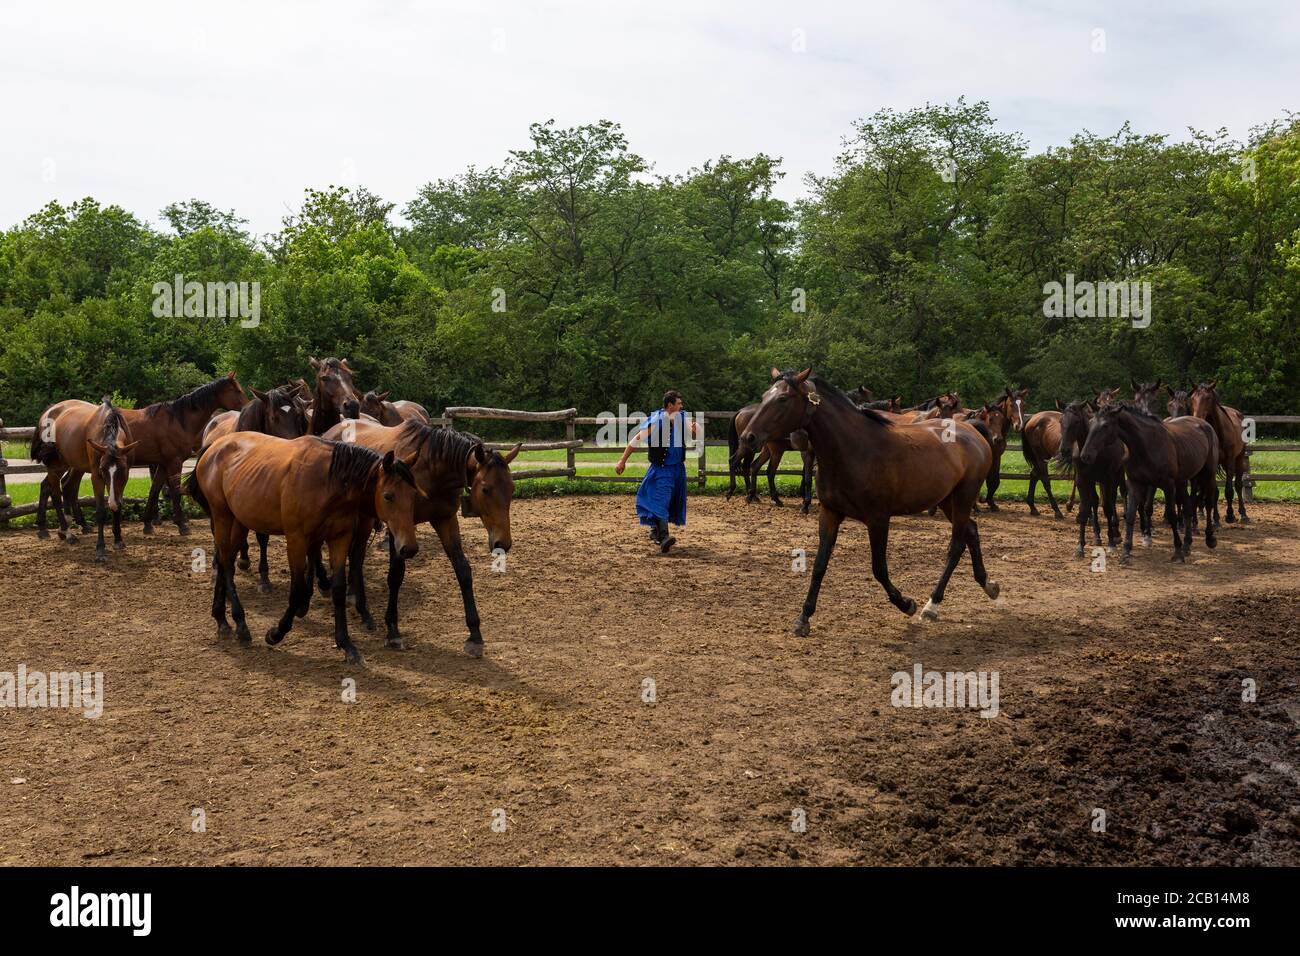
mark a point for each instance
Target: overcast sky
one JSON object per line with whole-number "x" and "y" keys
{"x": 245, "y": 104}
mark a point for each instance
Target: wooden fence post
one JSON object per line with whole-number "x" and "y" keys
{"x": 570, "y": 435}
{"x": 4, "y": 492}
{"x": 703, "y": 421}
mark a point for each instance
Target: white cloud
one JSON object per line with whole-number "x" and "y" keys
{"x": 245, "y": 104}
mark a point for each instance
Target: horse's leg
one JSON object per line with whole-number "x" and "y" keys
{"x": 244, "y": 562}
{"x": 1033, "y": 481}
{"x": 235, "y": 534}
{"x": 1074, "y": 486}
{"x": 151, "y": 506}
{"x": 805, "y": 492}
{"x": 1173, "y": 492}
{"x": 219, "y": 533}
{"x": 991, "y": 484}
{"x": 178, "y": 510}
{"x": 357, "y": 579}
{"x": 1082, "y": 522}
{"x": 1051, "y": 498}
{"x": 753, "y": 465}
{"x": 72, "y": 497}
{"x": 1238, "y": 471}
{"x": 118, "y": 543}
{"x": 1094, "y": 494}
{"x": 773, "y": 462}
{"x": 1210, "y": 493}
{"x": 1188, "y": 498}
{"x": 263, "y": 571}
{"x": 1131, "y": 508}
{"x": 956, "y": 545}
{"x": 828, "y": 529}
{"x": 318, "y": 565}
{"x": 339, "y": 548}
{"x": 449, "y": 534}
{"x": 879, "y": 534}
{"x": 1112, "y": 518}
{"x": 97, "y": 483}
{"x": 396, "y": 574}
{"x": 299, "y": 588}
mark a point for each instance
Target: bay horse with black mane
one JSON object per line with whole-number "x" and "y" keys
{"x": 870, "y": 469}
{"x": 75, "y": 435}
{"x": 453, "y": 470}
{"x": 1098, "y": 480}
{"x": 334, "y": 396}
{"x": 311, "y": 491}
{"x": 279, "y": 412}
{"x": 165, "y": 435}
{"x": 1180, "y": 456}
{"x": 377, "y": 406}
{"x": 1226, "y": 422}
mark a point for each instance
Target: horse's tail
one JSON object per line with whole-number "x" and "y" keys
{"x": 193, "y": 489}
{"x": 733, "y": 444}
{"x": 46, "y": 452}
{"x": 1029, "y": 452}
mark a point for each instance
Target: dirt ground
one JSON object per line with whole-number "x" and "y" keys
{"x": 1119, "y": 691}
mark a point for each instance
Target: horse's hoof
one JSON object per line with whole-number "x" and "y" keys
{"x": 148, "y": 528}
{"x": 242, "y": 634}
{"x": 1059, "y": 516}
{"x": 1211, "y": 542}
{"x": 85, "y": 528}
{"x": 264, "y": 587}
{"x": 1231, "y": 518}
{"x": 1178, "y": 557}
{"x": 368, "y": 623}
{"x": 1146, "y": 541}
{"x": 801, "y": 627}
{"x": 778, "y": 502}
{"x": 183, "y": 530}
{"x": 474, "y": 649}
{"x": 119, "y": 546}
{"x": 244, "y": 564}
{"x": 223, "y": 631}
{"x": 1244, "y": 519}
{"x": 353, "y": 656}
{"x": 909, "y": 608}
{"x": 993, "y": 507}
{"x": 1033, "y": 512}
{"x": 1126, "y": 558}
{"x": 992, "y": 589}
{"x": 1078, "y": 552}
{"x": 930, "y": 612}
{"x": 803, "y": 510}
{"x": 101, "y": 556}
{"x": 42, "y": 533}
{"x": 396, "y": 643}
{"x": 273, "y": 636}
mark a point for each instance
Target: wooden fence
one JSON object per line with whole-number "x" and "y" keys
{"x": 574, "y": 446}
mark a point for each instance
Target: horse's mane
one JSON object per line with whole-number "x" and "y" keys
{"x": 1137, "y": 409}
{"x": 252, "y": 417}
{"x": 114, "y": 423}
{"x": 193, "y": 401}
{"x": 445, "y": 447}
{"x": 351, "y": 465}
{"x": 825, "y": 388}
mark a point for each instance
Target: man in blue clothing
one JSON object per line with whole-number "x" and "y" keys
{"x": 661, "y": 496}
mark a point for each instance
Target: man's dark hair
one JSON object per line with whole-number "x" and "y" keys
{"x": 670, "y": 396}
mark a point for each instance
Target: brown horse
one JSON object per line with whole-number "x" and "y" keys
{"x": 1226, "y": 422}
{"x": 1170, "y": 455}
{"x": 311, "y": 491}
{"x": 445, "y": 463}
{"x": 166, "y": 433}
{"x": 871, "y": 469}
{"x": 941, "y": 406}
{"x": 334, "y": 396}
{"x": 88, "y": 438}
{"x": 1040, "y": 442}
{"x": 997, "y": 417}
{"x": 377, "y": 406}
{"x": 1180, "y": 401}
{"x": 279, "y": 412}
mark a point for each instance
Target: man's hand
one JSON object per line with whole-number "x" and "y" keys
{"x": 618, "y": 468}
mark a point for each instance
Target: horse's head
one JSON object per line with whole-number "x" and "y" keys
{"x": 395, "y": 497}
{"x": 1102, "y": 431}
{"x": 372, "y": 404}
{"x": 283, "y": 415}
{"x": 861, "y": 395}
{"x": 994, "y": 416}
{"x": 949, "y": 404}
{"x": 1075, "y": 418}
{"x": 1204, "y": 399}
{"x": 1146, "y": 396}
{"x": 111, "y": 452}
{"x": 784, "y": 408}
{"x": 1013, "y": 406}
{"x": 895, "y": 404}
{"x": 334, "y": 387}
{"x": 1104, "y": 396}
{"x": 1180, "y": 401}
{"x": 491, "y": 489}
{"x": 230, "y": 395}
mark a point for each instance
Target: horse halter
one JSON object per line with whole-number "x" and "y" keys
{"x": 812, "y": 398}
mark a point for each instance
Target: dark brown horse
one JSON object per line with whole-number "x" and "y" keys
{"x": 1180, "y": 401}
{"x": 377, "y": 406}
{"x": 871, "y": 469}
{"x": 1226, "y": 422}
{"x": 1171, "y": 455}
{"x": 1098, "y": 481}
{"x": 166, "y": 434}
{"x": 88, "y": 438}
{"x": 334, "y": 396}
{"x": 311, "y": 491}
{"x": 445, "y": 463}
{"x": 1040, "y": 443}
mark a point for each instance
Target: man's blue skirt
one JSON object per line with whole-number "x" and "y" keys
{"x": 662, "y": 494}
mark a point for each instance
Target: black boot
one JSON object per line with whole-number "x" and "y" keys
{"x": 665, "y": 540}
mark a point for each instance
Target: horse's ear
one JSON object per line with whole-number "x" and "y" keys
{"x": 776, "y": 373}
{"x": 126, "y": 449}
{"x": 257, "y": 394}
{"x": 803, "y": 376}
{"x": 1213, "y": 385}
{"x": 231, "y": 375}
{"x": 388, "y": 462}
{"x": 509, "y": 456}
{"x": 383, "y": 396}
{"x": 99, "y": 449}
{"x": 480, "y": 453}
{"x": 410, "y": 460}
{"x": 315, "y": 363}
{"x": 1058, "y": 405}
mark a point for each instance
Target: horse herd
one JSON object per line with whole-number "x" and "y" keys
{"x": 322, "y": 464}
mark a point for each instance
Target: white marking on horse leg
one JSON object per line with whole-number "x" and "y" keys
{"x": 931, "y": 611}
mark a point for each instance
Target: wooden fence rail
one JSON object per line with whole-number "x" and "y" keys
{"x": 573, "y": 446}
